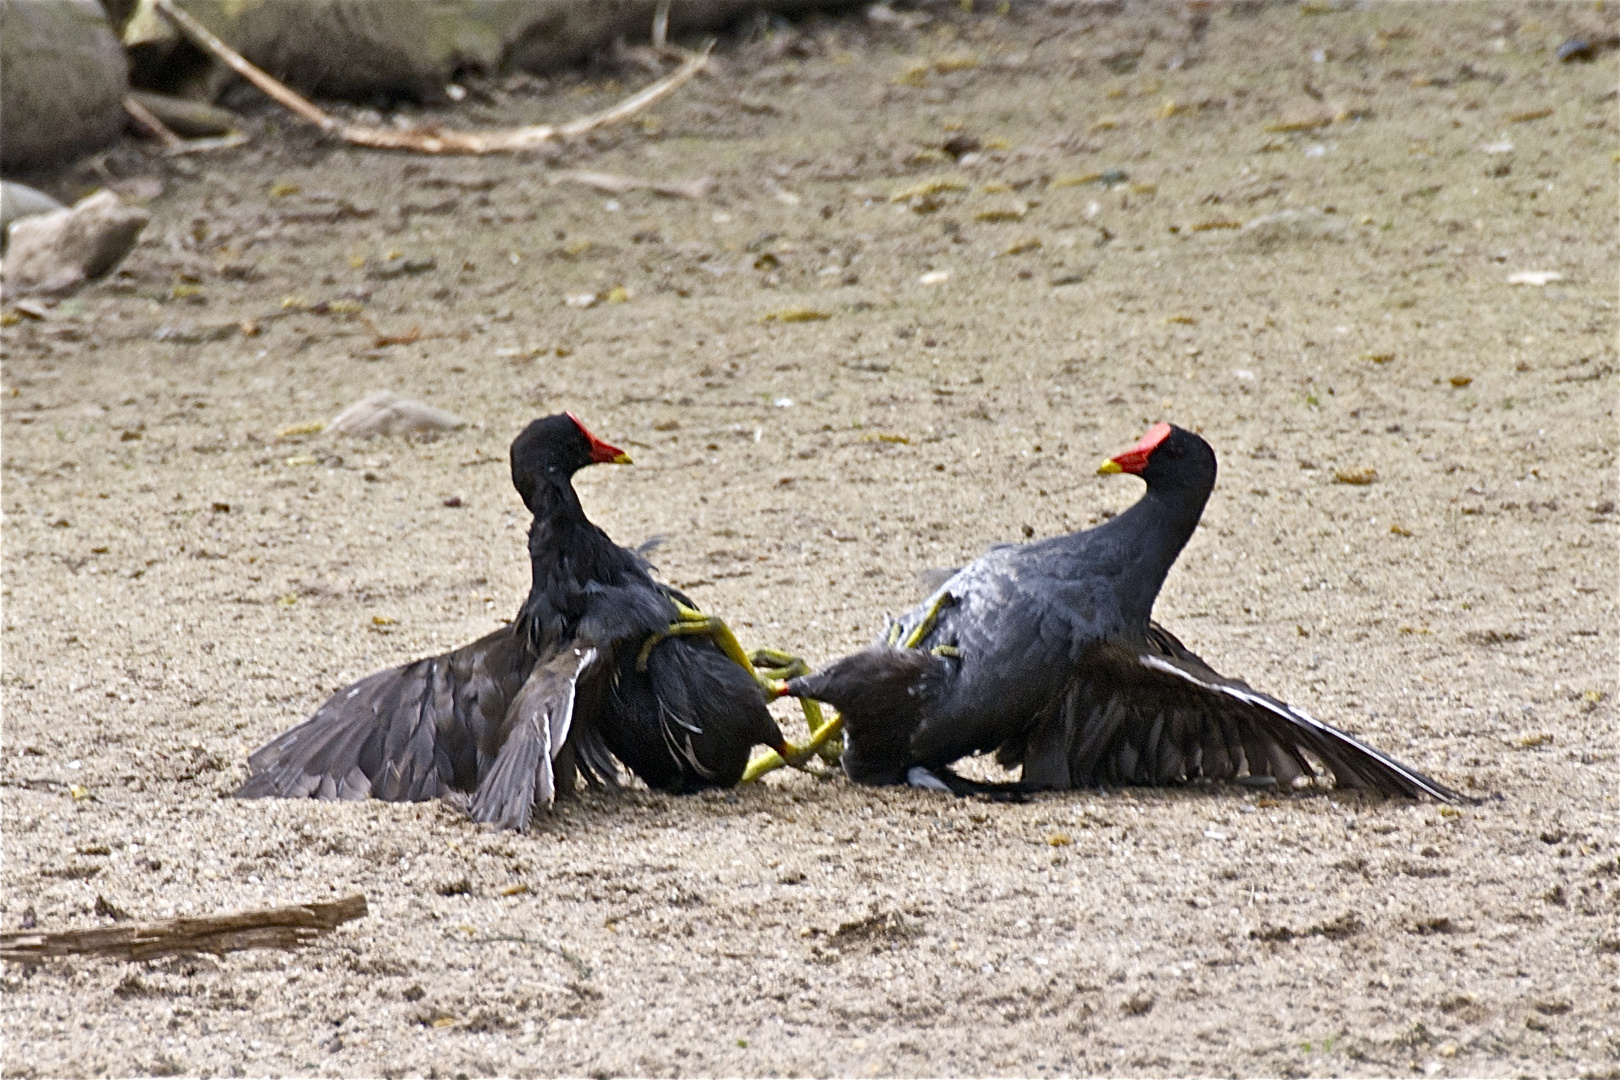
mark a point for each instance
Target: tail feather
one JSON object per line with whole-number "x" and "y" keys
{"x": 689, "y": 720}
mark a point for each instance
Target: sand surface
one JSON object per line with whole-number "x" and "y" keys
{"x": 180, "y": 583}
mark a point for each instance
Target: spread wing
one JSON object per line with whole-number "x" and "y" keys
{"x": 406, "y": 734}
{"x": 521, "y": 773}
{"x": 1160, "y": 715}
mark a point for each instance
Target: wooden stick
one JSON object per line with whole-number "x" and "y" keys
{"x": 238, "y": 63}
{"x": 266, "y": 928}
{"x": 433, "y": 140}
{"x": 147, "y": 122}
{"x": 173, "y": 144}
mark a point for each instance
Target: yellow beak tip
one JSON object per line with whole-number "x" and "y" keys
{"x": 623, "y": 459}
{"x": 1108, "y": 468}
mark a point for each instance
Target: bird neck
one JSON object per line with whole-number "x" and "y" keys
{"x": 562, "y": 558}
{"x": 1159, "y": 526}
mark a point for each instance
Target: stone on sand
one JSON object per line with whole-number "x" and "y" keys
{"x": 382, "y": 412}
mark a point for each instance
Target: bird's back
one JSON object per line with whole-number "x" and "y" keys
{"x": 1017, "y": 618}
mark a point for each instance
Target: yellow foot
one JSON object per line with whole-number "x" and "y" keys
{"x": 778, "y": 665}
{"x": 785, "y": 666}
{"x": 821, "y": 740}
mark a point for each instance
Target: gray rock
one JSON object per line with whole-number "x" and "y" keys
{"x": 18, "y": 201}
{"x": 63, "y": 83}
{"x": 53, "y": 254}
{"x": 1289, "y": 228}
{"x": 385, "y": 413}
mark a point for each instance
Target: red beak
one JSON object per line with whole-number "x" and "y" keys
{"x": 601, "y": 453}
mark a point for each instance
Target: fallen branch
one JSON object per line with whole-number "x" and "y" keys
{"x": 173, "y": 144}
{"x": 267, "y": 928}
{"x": 433, "y": 139}
{"x": 149, "y": 123}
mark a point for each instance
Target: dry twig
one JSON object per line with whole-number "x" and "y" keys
{"x": 432, "y": 140}
{"x": 173, "y": 144}
{"x": 152, "y": 125}
{"x": 266, "y": 928}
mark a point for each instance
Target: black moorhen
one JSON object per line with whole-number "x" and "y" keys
{"x": 601, "y": 662}
{"x": 1046, "y": 653}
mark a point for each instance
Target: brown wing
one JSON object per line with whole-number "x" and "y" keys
{"x": 1160, "y": 715}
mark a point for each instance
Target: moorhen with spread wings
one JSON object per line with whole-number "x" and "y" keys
{"x": 1047, "y": 654}
{"x": 602, "y": 662}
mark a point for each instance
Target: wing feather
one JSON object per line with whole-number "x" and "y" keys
{"x": 521, "y": 775}
{"x": 405, "y": 734}
{"x": 1160, "y": 715}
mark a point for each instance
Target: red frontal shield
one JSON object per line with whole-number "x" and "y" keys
{"x": 601, "y": 453}
{"x": 1135, "y": 459}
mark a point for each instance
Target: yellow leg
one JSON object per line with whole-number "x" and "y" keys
{"x": 926, "y": 626}
{"x": 692, "y": 622}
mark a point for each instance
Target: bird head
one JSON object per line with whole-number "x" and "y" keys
{"x": 1167, "y": 456}
{"x": 554, "y": 448}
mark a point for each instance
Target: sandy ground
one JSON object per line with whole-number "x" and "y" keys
{"x": 180, "y": 584}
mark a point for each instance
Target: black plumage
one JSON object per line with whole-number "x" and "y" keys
{"x": 1046, "y": 653}
{"x": 562, "y": 690}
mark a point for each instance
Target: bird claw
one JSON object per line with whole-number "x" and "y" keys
{"x": 825, "y": 742}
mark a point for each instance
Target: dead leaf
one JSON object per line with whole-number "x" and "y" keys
{"x": 932, "y": 186}
{"x": 308, "y": 427}
{"x": 1280, "y": 127}
{"x": 1014, "y": 212}
{"x": 795, "y": 315}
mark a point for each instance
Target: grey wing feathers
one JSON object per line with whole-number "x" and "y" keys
{"x": 404, "y": 735}
{"x": 385, "y": 720}
{"x": 1162, "y": 716}
{"x": 521, "y": 775}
